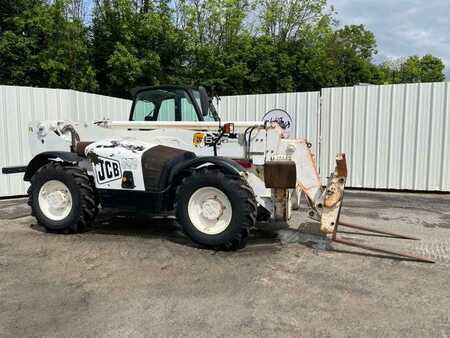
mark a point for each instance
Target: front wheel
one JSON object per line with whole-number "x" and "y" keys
{"x": 216, "y": 210}
{"x": 62, "y": 198}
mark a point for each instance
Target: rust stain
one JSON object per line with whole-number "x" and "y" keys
{"x": 341, "y": 165}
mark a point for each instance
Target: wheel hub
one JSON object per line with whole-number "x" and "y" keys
{"x": 55, "y": 200}
{"x": 58, "y": 199}
{"x": 212, "y": 209}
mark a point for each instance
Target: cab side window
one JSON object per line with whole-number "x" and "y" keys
{"x": 188, "y": 112}
{"x": 167, "y": 110}
{"x": 143, "y": 110}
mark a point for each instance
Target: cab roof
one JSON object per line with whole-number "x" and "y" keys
{"x": 136, "y": 90}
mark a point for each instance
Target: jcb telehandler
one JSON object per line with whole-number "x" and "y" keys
{"x": 176, "y": 155}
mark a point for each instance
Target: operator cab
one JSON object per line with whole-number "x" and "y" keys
{"x": 172, "y": 103}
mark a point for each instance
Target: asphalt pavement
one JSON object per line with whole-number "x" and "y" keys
{"x": 138, "y": 276}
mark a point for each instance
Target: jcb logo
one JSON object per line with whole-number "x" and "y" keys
{"x": 107, "y": 170}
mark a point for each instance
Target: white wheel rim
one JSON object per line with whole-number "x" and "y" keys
{"x": 55, "y": 200}
{"x": 210, "y": 210}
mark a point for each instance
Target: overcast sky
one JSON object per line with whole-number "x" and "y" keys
{"x": 402, "y": 27}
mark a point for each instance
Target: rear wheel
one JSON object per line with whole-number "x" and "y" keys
{"x": 62, "y": 198}
{"x": 216, "y": 210}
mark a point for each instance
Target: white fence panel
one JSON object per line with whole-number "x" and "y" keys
{"x": 21, "y": 105}
{"x": 395, "y": 136}
{"x": 89, "y": 107}
{"x": 303, "y": 108}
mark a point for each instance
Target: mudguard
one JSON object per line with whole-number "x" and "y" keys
{"x": 230, "y": 167}
{"x": 48, "y": 156}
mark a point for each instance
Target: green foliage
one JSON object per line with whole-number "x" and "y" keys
{"x": 413, "y": 69}
{"x": 231, "y": 46}
{"x": 350, "y": 51}
{"x": 431, "y": 69}
{"x": 40, "y": 47}
{"x": 288, "y": 19}
{"x": 135, "y": 43}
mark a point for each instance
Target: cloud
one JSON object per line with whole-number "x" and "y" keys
{"x": 402, "y": 27}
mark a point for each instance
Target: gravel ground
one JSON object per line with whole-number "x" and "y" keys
{"x": 136, "y": 277}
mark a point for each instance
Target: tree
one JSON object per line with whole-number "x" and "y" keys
{"x": 428, "y": 68}
{"x": 217, "y": 42}
{"x": 39, "y": 46}
{"x": 10, "y": 9}
{"x": 76, "y": 10}
{"x": 350, "y": 52}
{"x": 231, "y": 46}
{"x": 113, "y": 32}
{"x": 213, "y": 22}
{"x": 411, "y": 70}
{"x": 288, "y": 19}
{"x": 135, "y": 43}
{"x": 289, "y": 38}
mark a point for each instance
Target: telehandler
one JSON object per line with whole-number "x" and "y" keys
{"x": 174, "y": 154}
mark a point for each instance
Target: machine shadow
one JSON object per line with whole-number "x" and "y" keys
{"x": 112, "y": 222}
{"x": 124, "y": 223}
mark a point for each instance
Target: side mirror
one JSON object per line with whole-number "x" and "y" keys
{"x": 204, "y": 99}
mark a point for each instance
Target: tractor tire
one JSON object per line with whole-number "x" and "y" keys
{"x": 216, "y": 210}
{"x": 62, "y": 198}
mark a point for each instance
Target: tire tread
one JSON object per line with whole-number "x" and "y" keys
{"x": 88, "y": 198}
{"x": 246, "y": 197}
